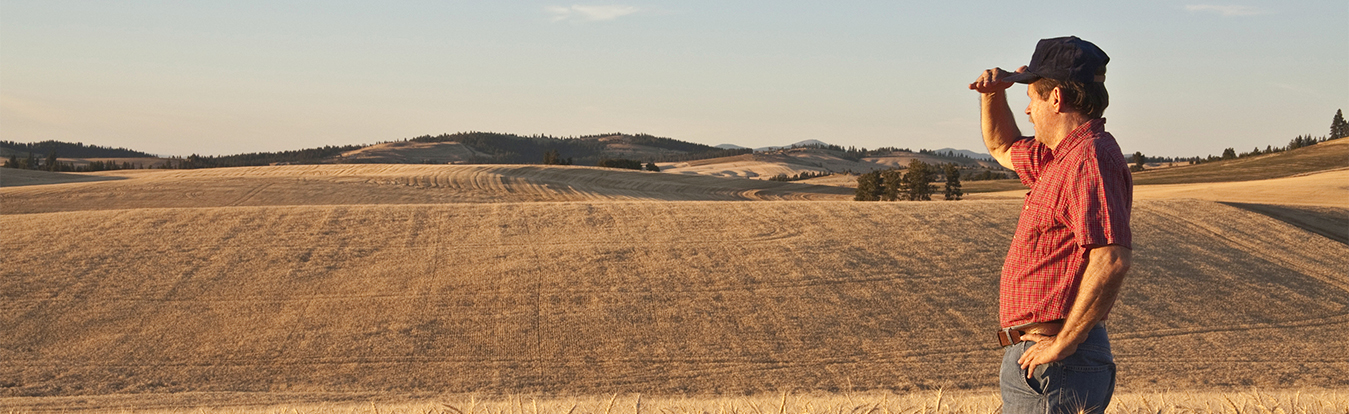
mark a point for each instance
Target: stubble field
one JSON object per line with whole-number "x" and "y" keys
{"x": 558, "y": 281}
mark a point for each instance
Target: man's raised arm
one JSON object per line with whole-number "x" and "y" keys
{"x": 999, "y": 128}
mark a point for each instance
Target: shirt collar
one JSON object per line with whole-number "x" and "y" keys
{"x": 1087, "y": 129}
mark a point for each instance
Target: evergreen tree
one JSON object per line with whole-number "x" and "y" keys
{"x": 953, "y": 191}
{"x": 1338, "y": 127}
{"x": 868, "y": 187}
{"x": 917, "y": 182}
{"x": 891, "y": 183}
{"x": 1229, "y": 154}
{"x": 13, "y": 161}
{"x": 51, "y": 162}
{"x": 552, "y": 157}
{"x": 651, "y": 166}
{"x": 1140, "y": 160}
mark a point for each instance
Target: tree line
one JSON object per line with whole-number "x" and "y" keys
{"x": 911, "y": 184}
{"x": 1339, "y": 128}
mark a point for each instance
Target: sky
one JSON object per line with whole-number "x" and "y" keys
{"x": 1186, "y": 78}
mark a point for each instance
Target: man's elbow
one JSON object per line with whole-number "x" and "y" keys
{"x": 1118, "y": 259}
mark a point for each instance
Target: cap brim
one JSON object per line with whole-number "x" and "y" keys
{"x": 1021, "y": 77}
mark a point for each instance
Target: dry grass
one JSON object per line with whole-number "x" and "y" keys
{"x": 1330, "y": 189}
{"x": 352, "y": 184}
{"x": 10, "y": 177}
{"x": 659, "y": 297}
{"x": 272, "y": 288}
{"x": 923, "y": 402}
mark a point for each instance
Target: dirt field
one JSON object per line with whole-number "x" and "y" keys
{"x": 261, "y": 283}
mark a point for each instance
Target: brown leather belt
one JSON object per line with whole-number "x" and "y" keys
{"x": 1012, "y": 336}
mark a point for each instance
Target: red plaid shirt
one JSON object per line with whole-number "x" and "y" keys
{"x": 1080, "y": 198}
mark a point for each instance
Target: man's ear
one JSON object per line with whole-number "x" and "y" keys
{"x": 1056, "y": 100}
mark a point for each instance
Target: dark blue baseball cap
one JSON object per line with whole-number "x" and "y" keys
{"x": 1064, "y": 59}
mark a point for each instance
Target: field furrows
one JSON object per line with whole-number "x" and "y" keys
{"x": 391, "y": 184}
{"x": 604, "y": 297}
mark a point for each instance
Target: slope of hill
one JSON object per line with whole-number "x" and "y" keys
{"x": 665, "y": 298}
{"x": 496, "y": 148}
{"x": 390, "y": 184}
{"x": 794, "y": 161}
{"x": 1324, "y": 156}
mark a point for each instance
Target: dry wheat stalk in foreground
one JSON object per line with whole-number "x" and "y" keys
{"x": 1254, "y": 401}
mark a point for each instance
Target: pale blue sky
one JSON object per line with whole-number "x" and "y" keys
{"x": 181, "y": 77}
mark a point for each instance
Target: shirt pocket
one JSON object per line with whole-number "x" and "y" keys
{"x": 1040, "y": 223}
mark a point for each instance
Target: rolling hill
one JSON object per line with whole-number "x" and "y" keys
{"x": 793, "y": 161}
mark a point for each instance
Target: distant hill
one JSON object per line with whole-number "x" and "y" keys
{"x": 817, "y": 160}
{"x": 1329, "y": 155}
{"x": 806, "y": 143}
{"x": 498, "y": 148}
{"x": 731, "y": 146}
{"x": 66, "y": 150}
{"x": 967, "y": 153}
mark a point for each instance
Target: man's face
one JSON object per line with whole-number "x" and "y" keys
{"x": 1038, "y": 107}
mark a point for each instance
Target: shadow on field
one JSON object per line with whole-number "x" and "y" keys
{"x": 1331, "y": 222}
{"x": 13, "y": 177}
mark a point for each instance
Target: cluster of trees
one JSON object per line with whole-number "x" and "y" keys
{"x": 627, "y": 164}
{"x": 77, "y": 149}
{"x": 912, "y": 184}
{"x": 552, "y": 157}
{"x": 989, "y": 175}
{"x": 800, "y": 176}
{"x": 50, "y": 163}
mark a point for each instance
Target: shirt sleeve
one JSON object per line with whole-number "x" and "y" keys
{"x": 1098, "y": 212}
{"x": 1029, "y": 158}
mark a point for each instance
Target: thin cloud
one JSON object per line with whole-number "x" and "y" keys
{"x": 579, "y": 13}
{"x": 1225, "y": 10}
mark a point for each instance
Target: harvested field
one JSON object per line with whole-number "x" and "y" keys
{"x": 11, "y": 177}
{"x": 652, "y": 297}
{"x": 291, "y": 288}
{"x": 350, "y": 184}
{"x": 1330, "y": 189}
{"x": 923, "y": 402}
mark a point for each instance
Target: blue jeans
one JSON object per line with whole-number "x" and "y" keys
{"x": 1084, "y": 380}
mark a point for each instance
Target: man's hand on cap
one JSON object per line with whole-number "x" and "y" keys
{"x": 991, "y": 80}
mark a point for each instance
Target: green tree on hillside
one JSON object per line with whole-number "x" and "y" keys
{"x": 953, "y": 191}
{"x": 891, "y": 183}
{"x": 1229, "y": 154}
{"x": 868, "y": 187}
{"x": 917, "y": 181}
{"x": 51, "y": 163}
{"x": 13, "y": 161}
{"x": 1338, "y": 127}
{"x": 651, "y": 166}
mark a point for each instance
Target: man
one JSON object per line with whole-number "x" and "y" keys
{"x": 1072, "y": 245}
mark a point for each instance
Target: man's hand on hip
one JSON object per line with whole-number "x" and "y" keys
{"x": 991, "y": 80}
{"x": 1047, "y": 349}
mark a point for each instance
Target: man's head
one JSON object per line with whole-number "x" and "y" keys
{"x": 1075, "y": 67}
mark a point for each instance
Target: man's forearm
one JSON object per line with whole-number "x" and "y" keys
{"x": 998, "y": 125}
{"x": 1106, "y": 267}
